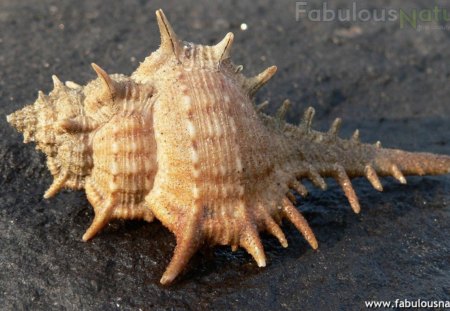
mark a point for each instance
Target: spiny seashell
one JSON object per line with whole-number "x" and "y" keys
{"x": 68, "y": 156}
{"x": 181, "y": 140}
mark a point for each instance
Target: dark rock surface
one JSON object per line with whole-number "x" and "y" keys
{"x": 392, "y": 83}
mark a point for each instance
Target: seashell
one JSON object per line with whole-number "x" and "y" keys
{"x": 183, "y": 141}
{"x": 69, "y": 156}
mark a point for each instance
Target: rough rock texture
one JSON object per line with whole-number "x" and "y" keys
{"x": 389, "y": 82}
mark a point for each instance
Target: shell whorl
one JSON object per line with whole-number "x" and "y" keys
{"x": 67, "y": 155}
{"x": 183, "y": 141}
{"x": 62, "y": 123}
{"x": 174, "y": 52}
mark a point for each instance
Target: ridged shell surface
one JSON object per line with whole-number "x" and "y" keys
{"x": 183, "y": 141}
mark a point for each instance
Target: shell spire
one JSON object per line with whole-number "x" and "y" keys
{"x": 57, "y": 84}
{"x": 169, "y": 40}
{"x": 113, "y": 88}
{"x": 24, "y": 121}
{"x": 252, "y": 85}
{"x": 41, "y": 96}
{"x": 306, "y": 122}
{"x": 335, "y": 127}
{"x": 57, "y": 185}
{"x": 108, "y": 83}
{"x": 222, "y": 50}
{"x": 68, "y": 155}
